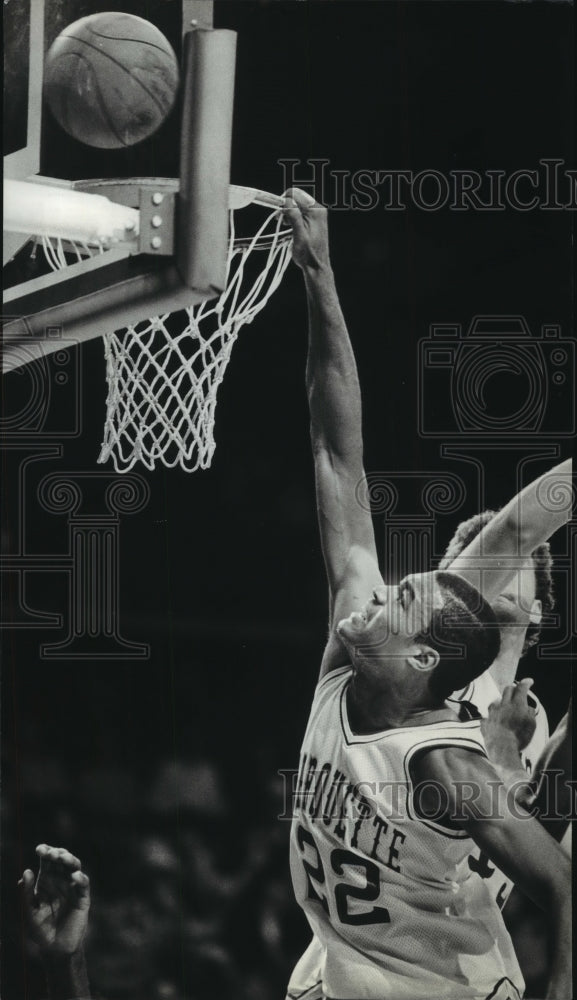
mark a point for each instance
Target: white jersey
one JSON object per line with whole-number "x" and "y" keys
{"x": 481, "y": 693}
{"x": 395, "y": 910}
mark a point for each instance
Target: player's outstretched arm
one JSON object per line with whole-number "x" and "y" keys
{"x": 528, "y": 520}
{"x": 56, "y": 905}
{"x": 512, "y": 839}
{"x": 334, "y": 396}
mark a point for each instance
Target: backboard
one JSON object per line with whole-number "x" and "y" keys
{"x": 23, "y": 25}
{"x": 30, "y": 27}
{"x": 169, "y": 272}
{"x": 122, "y": 250}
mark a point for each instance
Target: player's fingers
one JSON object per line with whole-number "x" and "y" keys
{"x": 26, "y": 886}
{"x": 82, "y": 888}
{"x": 42, "y": 850}
{"x": 522, "y": 688}
{"x": 68, "y": 859}
{"x": 26, "y": 883}
{"x": 508, "y": 693}
{"x": 302, "y": 199}
{"x": 291, "y": 210}
{"x": 52, "y": 854}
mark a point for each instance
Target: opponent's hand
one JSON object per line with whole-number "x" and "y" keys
{"x": 309, "y": 224}
{"x": 57, "y": 902}
{"x": 511, "y": 719}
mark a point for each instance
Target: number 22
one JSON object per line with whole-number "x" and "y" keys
{"x": 343, "y": 892}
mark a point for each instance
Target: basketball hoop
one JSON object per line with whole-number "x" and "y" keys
{"x": 163, "y": 374}
{"x": 121, "y": 250}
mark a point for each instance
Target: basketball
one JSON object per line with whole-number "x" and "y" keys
{"x": 111, "y": 79}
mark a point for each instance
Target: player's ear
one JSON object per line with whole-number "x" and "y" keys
{"x": 536, "y": 613}
{"x": 423, "y": 658}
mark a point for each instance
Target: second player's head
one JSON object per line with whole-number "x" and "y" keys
{"x": 527, "y": 597}
{"x": 428, "y": 636}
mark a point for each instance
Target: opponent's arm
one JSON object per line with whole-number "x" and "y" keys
{"x": 548, "y": 792}
{"x": 56, "y": 906}
{"x": 509, "y": 728}
{"x": 554, "y": 799}
{"x": 528, "y": 520}
{"x": 346, "y": 528}
{"x": 479, "y": 803}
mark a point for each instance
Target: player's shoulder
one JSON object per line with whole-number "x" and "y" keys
{"x": 446, "y": 764}
{"x": 444, "y": 778}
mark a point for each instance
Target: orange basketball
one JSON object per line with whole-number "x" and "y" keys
{"x": 111, "y": 79}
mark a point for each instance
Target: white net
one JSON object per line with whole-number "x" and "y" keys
{"x": 163, "y": 374}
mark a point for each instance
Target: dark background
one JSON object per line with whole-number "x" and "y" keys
{"x": 161, "y": 774}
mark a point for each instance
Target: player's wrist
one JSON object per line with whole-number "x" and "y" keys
{"x": 66, "y": 974}
{"x": 319, "y": 275}
{"x": 503, "y": 749}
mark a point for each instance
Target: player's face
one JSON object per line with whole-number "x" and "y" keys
{"x": 513, "y": 608}
{"x": 395, "y": 614}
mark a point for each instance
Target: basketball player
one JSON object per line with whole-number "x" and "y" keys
{"x": 382, "y": 826}
{"x": 56, "y": 905}
{"x": 519, "y": 610}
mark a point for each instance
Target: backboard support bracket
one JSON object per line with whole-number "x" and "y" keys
{"x": 197, "y": 14}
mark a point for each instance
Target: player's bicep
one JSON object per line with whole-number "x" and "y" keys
{"x": 480, "y": 804}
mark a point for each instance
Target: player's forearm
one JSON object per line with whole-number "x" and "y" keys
{"x": 528, "y": 520}
{"x": 540, "y": 508}
{"x": 67, "y": 977}
{"x": 561, "y": 979}
{"x": 555, "y": 796}
{"x": 331, "y": 377}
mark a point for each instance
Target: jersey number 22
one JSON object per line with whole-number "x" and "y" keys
{"x": 339, "y": 860}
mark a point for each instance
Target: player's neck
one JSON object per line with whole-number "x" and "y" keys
{"x": 504, "y": 668}
{"x": 373, "y": 710}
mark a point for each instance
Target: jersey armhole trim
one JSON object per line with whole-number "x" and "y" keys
{"x": 305, "y": 993}
{"x": 498, "y": 986}
{"x": 458, "y": 743}
{"x": 331, "y": 675}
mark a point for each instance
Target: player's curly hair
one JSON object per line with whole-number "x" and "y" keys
{"x": 542, "y": 561}
{"x": 465, "y": 633}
